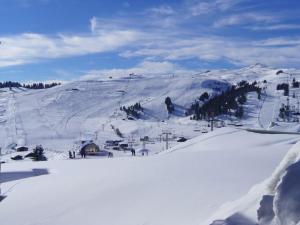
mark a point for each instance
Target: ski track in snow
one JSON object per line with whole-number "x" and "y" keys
{"x": 15, "y": 131}
{"x": 264, "y": 117}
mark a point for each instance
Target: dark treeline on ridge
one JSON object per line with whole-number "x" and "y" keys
{"x": 232, "y": 99}
{"x": 11, "y": 84}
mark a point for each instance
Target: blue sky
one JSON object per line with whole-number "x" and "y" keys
{"x": 71, "y": 39}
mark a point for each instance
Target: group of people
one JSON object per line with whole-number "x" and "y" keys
{"x": 83, "y": 154}
{"x": 132, "y": 152}
{"x": 72, "y": 155}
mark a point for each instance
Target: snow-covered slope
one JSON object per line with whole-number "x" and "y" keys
{"x": 58, "y": 116}
{"x": 185, "y": 186}
{"x": 88, "y": 109}
{"x": 212, "y": 176}
{"x": 282, "y": 186}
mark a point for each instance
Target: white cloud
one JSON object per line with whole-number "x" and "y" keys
{"x": 144, "y": 68}
{"x": 162, "y": 34}
{"x": 93, "y": 24}
{"x": 227, "y": 4}
{"x": 154, "y": 46}
{"x": 278, "y": 42}
{"x": 30, "y": 47}
{"x": 276, "y": 27}
{"x": 162, "y": 10}
{"x": 274, "y": 52}
{"x": 246, "y": 18}
{"x": 201, "y": 7}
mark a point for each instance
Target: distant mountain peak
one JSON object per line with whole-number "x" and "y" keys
{"x": 258, "y": 65}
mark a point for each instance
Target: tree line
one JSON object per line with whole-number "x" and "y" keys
{"x": 11, "y": 84}
{"x": 232, "y": 99}
{"x": 133, "y": 110}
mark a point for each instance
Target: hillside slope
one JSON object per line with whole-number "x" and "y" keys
{"x": 88, "y": 109}
{"x": 210, "y": 177}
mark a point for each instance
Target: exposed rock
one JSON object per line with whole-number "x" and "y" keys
{"x": 265, "y": 212}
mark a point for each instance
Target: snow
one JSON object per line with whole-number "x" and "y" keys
{"x": 249, "y": 203}
{"x": 86, "y": 109}
{"x": 287, "y": 199}
{"x": 216, "y": 175}
{"x": 182, "y": 187}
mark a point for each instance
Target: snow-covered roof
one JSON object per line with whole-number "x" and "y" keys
{"x": 85, "y": 143}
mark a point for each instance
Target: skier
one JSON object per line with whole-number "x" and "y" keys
{"x": 74, "y": 155}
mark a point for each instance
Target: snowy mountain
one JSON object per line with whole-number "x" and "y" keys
{"x": 83, "y": 109}
{"x": 216, "y": 177}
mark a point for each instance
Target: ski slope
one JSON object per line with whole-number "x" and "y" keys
{"x": 87, "y": 109}
{"x": 210, "y": 177}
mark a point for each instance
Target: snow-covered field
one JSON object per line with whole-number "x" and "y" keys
{"x": 210, "y": 177}
{"x": 183, "y": 186}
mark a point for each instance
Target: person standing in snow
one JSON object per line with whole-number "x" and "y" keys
{"x": 74, "y": 155}
{"x": 132, "y": 152}
{"x": 70, "y": 155}
{"x": 82, "y": 153}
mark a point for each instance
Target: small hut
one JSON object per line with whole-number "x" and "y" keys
{"x": 90, "y": 148}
